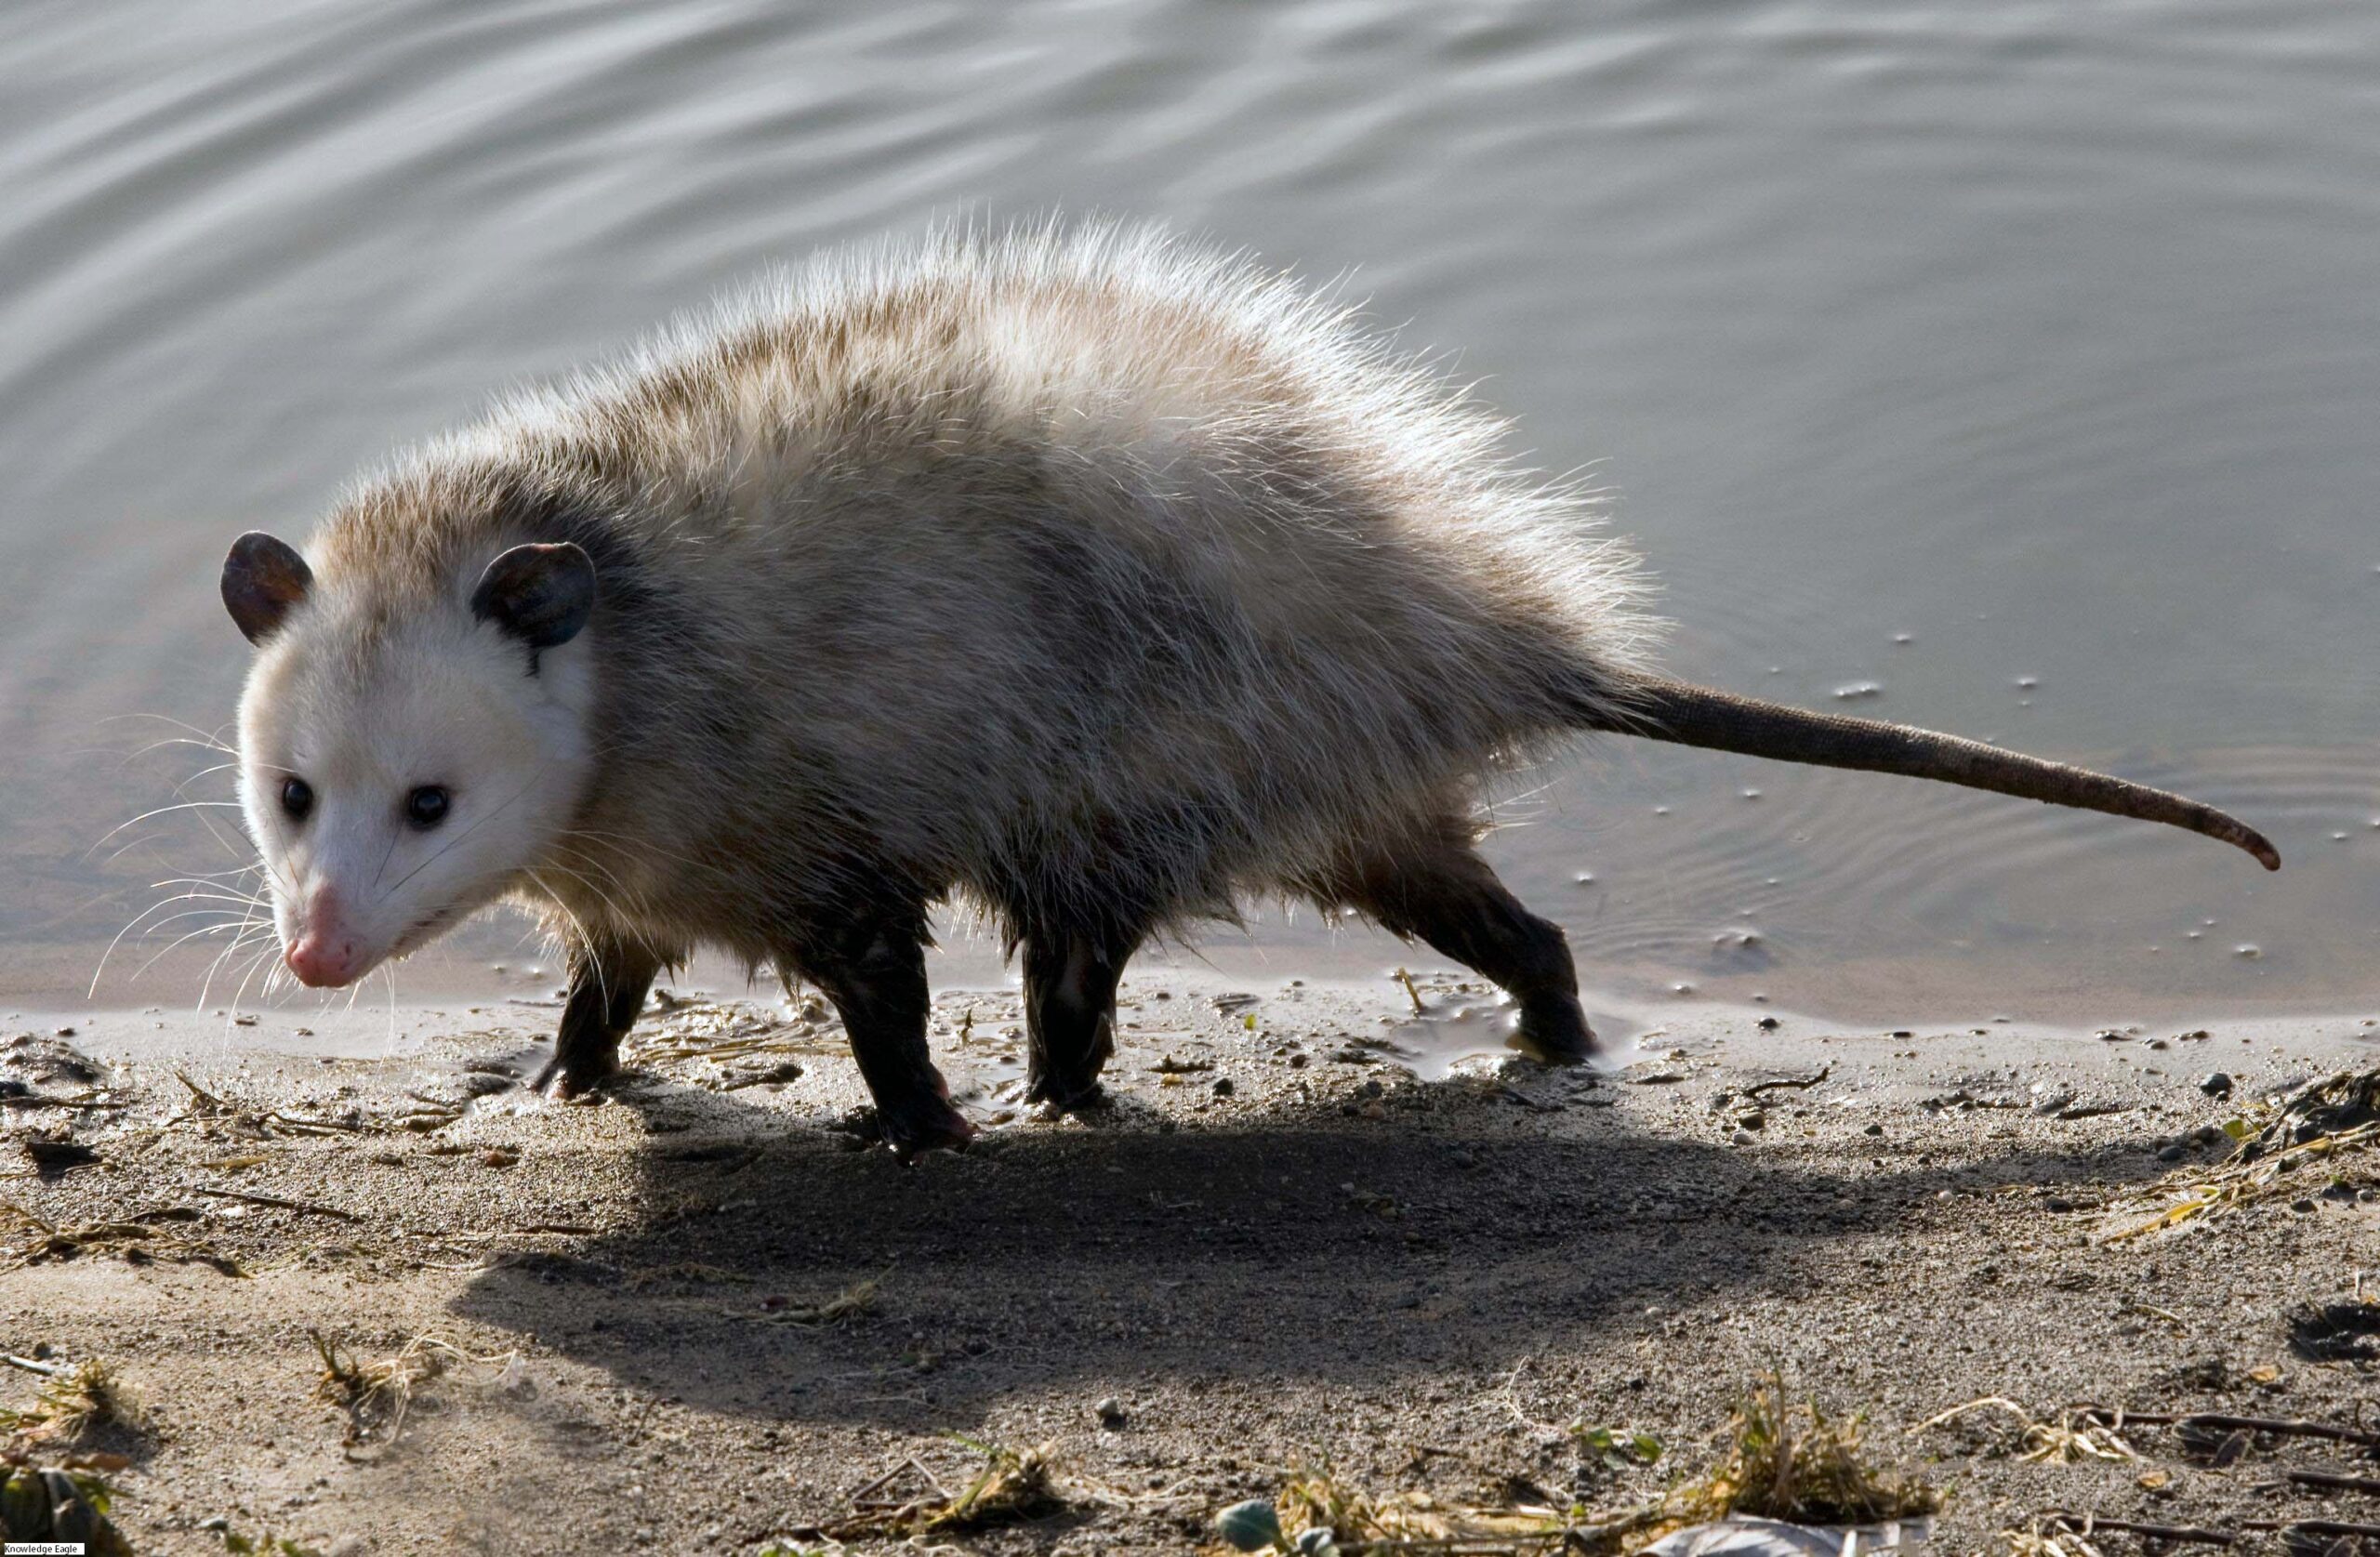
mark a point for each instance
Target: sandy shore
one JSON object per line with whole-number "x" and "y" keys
{"x": 1313, "y": 1230}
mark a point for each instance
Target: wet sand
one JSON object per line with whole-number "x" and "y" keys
{"x": 1312, "y": 1229}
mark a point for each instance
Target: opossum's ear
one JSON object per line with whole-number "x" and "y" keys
{"x": 541, "y": 595}
{"x": 262, "y": 578}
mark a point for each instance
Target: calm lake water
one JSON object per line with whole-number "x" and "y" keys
{"x": 2023, "y": 360}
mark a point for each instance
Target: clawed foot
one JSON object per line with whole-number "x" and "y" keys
{"x": 1053, "y": 1098}
{"x": 1554, "y": 1031}
{"x": 914, "y": 1131}
{"x": 567, "y": 1076}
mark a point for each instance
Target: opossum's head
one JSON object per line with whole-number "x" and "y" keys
{"x": 405, "y": 754}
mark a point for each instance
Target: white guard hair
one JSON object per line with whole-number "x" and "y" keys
{"x": 1074, "y": 573}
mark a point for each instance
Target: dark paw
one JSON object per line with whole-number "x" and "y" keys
{"x": 1554, "y": 1031}
{"x": 568, "y": 1077}
{"x": 1054, "y": 1096}
{"x": 914, "y": 1131}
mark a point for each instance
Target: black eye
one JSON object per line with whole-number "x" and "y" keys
{"x": 426, "y": 807}
{"x": 297, "y": 797}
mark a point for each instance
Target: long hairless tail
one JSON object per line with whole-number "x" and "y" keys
{"x": 1664, "y": 710}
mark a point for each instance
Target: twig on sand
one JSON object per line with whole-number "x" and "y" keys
{"x": 2334, "y": 1481}
{"x": 2210, "y": 1422}
{"x": 307, "y": 1205}
{"x": 1795, "y": 1083}
{"x": 2185, "y": 1534}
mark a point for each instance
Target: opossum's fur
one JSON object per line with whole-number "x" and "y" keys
{"x": 1090, "y": 575}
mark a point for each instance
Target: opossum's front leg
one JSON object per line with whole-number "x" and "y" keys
{"x": 608, "y": 983}
{"x": 873, "y": 968}
{"x": 1070, "y": 1013}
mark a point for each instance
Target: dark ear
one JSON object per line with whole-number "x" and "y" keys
{"x": 541, "y": 595}
{"x": 262, "y": 578}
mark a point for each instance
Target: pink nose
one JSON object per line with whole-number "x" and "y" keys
{"x": 324, "y": 956}
{"x": 322, "y": 963}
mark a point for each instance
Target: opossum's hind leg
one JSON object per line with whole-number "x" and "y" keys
{"x": 872, "y": 966}
{"x": 1070, "y": 977}
{"x": 1431, "y": 885}
{"x": 608, "y": 982}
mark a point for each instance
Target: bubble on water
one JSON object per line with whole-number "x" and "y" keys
{"x": 1660, "y": 811}
{"x": 2247, "y": 951}
{"x": 2028, "y": 682}
{"x": 1855, "y": 690}
{"x": 1754, "y": 795}
{"x": 1584, "y": 879}
{"x": 1904, "y": 638}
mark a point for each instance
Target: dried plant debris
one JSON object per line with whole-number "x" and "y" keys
{"x": 1779, "y": 1460}
{"x": 857, "y": 1299}
{"x": 138, "y": 1240}
{"x": 378, "y": 1395}
{"x": 264, "y": 1546}
{"x": 1012, "y": 1487}
{"x": 723, "y": 1032}
{"x": 72, "y": 1400}
{"x": 64, "y": 1504}
{"x": 218, "y": 1118}
{"x": 1796, "y": 1463}
{"x": 2282, "y": 1150}
{"x": 1330, "y": 1516}
{"x": 2077, "y": 1435}
{"x": 2049, "y": 1537}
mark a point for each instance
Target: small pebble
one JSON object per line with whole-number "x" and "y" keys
{"x": 2216, "y": 1084}
{"x": 1109, "y": 1410}
{"x": 1223, "y": 1087}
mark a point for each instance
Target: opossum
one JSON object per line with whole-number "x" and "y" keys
{"x": 1091, "y": 578}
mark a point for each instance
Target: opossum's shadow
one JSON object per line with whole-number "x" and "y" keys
{"x": 1301, "y": 1248}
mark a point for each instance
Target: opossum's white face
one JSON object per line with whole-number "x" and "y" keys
{"x": 399, "y": 774}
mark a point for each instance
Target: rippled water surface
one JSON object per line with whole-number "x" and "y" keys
{"x": 2021, "y": 359}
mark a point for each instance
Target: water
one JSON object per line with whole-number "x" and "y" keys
{"x": 2043, "y": 336}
